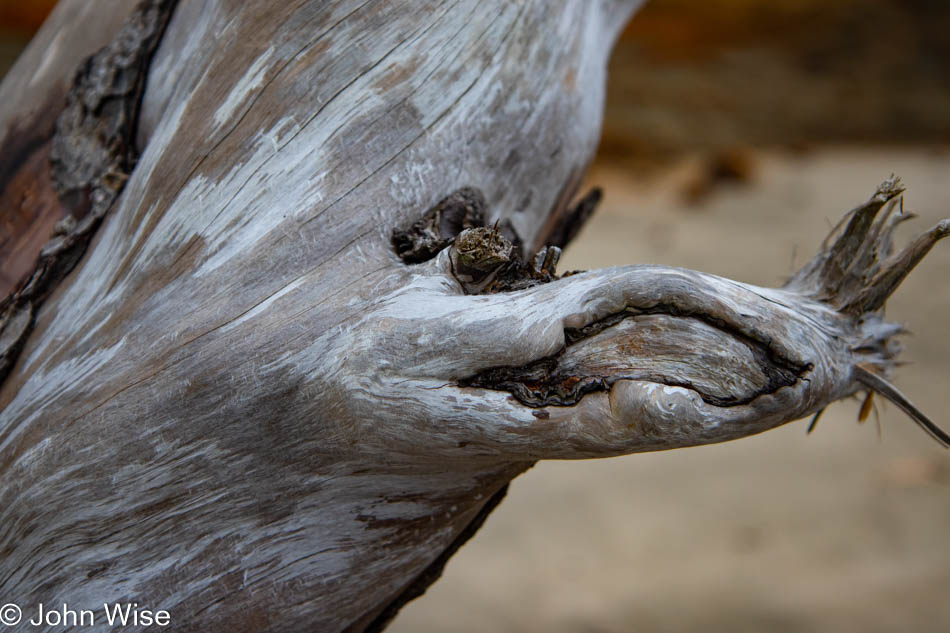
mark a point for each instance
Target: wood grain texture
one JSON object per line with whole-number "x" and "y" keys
{"x": 245, "y": 409}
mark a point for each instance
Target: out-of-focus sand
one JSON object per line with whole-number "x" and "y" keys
{"x": 837, "y": 531}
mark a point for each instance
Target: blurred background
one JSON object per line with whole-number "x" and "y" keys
{"x": 19, "y": 19}
{"x": 736, "y": 133}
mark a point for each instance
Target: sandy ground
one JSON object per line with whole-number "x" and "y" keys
{"x": 843, "y": 530}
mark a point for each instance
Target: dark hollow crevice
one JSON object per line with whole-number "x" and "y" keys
{"x": 542, "y": 383}
{"x": 460, "y": 210}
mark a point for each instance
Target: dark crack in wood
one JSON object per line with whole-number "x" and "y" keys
{"x": 439, "y": 226}
{"x": 555, "y": 381}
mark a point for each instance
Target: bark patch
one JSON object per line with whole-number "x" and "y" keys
{"x": 91, "y": 156}
{"x": 460, "y": 210}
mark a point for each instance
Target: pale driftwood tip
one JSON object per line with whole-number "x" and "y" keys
{"x": 890, "y": 188}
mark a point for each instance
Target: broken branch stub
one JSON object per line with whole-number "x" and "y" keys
{"x": 722, "y": 358}
{"x": 856, "y": 271}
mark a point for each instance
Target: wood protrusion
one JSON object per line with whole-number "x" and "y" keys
{"x": 873, "y": 381}
{"x": 814, "y": 421}
{"x": 892, "y": 271}
{"x": 478, "y": 255}
{"x": 563, "y": 227}
{"x": 545, "y": 261}
{"x": 520, "y": 275}
{"x": 866, "y": 405}
{"x": 854, "y": 270}
{"x": 876, "y": 246}
{"x": 850, "y": 244}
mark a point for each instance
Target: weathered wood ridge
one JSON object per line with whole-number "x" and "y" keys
{"x": 275, "y": 394}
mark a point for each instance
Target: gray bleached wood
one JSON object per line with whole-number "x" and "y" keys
{"x": 242, "y": 407}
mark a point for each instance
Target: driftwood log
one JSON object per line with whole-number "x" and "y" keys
{"x": 320, "y": 328}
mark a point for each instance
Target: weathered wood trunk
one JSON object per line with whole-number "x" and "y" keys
{"x": 243, "y": 407}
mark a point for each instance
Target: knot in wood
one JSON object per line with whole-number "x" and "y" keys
{"x": 477, "y": 256}
{"x": 483, "y": 249}
{"x": 460, "y": 210}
